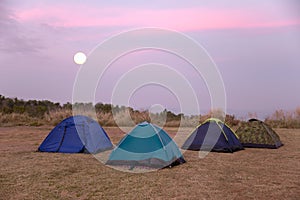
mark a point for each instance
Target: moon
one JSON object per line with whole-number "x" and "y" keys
{"x": 79, "y": 58}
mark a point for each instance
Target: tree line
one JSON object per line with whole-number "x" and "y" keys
{"x": 38, "y": 108}
{"x": 23, "y": 112}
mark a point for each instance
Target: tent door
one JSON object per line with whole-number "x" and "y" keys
{"x": 62, "y": 139}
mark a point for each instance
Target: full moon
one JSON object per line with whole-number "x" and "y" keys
{"x": 79, "y": 58}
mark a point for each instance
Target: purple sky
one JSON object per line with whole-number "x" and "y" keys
{"x": 255, "y": 44}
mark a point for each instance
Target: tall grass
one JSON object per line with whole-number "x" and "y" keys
{"x": 130, "y": 117}
{"x": 284, "y": 119}
{"x": 56, "y": 116}
{"x": 17, "y": 119}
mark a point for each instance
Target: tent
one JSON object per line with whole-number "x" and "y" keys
{"x": 256, "y": 133}
{"x": 213, "y": 135}
{"x": 76, "y": 134}
{"x": 146, "y": 145}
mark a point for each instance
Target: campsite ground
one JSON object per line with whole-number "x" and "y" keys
{"x": 248, "y": 174}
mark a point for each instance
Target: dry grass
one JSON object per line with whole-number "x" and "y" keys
{"x": 16, "y": 119}
{"x": 129, "y": 117}
{"x": 249, "y": 174}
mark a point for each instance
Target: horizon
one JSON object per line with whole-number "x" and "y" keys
{"x": 239, "y": 114}
{"x": 257, "y": 54}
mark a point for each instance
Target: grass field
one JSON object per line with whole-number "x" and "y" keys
{"x": 248, "y": 174}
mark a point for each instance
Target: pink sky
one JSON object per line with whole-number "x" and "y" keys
{"x": 184, "y": 19}
{"x": 255, "y": 45}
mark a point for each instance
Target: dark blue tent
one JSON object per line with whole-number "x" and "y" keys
{"x": 213, "y": 135}
{"x": 76, "y": 134}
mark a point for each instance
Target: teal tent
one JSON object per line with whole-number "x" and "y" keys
{"x": 146, "y": 145}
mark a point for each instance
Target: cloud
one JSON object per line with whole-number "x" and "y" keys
{"x": 181, "y": 19}
{"x": 14, "y": 36}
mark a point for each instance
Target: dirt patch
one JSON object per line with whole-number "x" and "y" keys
{"x": 248, "y": 174}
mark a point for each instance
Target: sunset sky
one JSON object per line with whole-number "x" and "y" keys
{"x": 255, "y": 45}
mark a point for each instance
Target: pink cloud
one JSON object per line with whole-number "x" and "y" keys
{"x": 178, "y": 19}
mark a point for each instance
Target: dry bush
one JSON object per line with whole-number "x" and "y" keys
{"x": 172, "y": 124}
{"x": 213, "y": 113}
{"x": 56, "y": 116}
{"x": 282, "y": 119}
{"x": 297, "y": 113}
{"x": 129, "y": 117}
{"x": 190, "y": 121}
{"x": 252, "y": 115}
{"x": 216, "y": 113}
{"x": 106, "y": 119}
{"x": 139, "y": 117}
{"x": 16, "y": 119}
{"x": 219, "y": 114}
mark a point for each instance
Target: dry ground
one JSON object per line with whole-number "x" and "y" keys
{"x": 248, "y": 174}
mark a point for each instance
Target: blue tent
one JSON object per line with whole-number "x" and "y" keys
{"x": 213, "y": 135}
{"x": 146, "y": 145}
{"x": 76, "y": 134}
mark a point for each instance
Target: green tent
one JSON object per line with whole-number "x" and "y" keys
{"x": 146, "y": 145}
{"x": 256, "y": 133}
